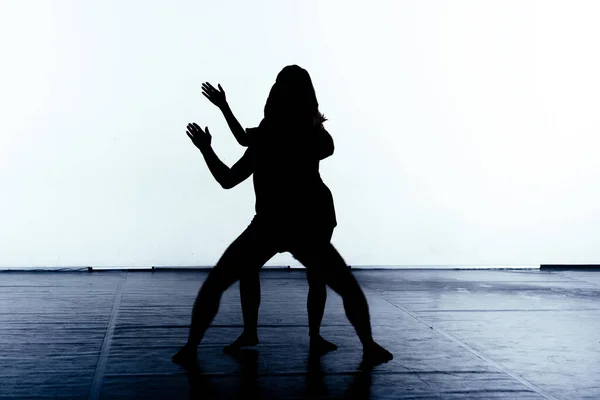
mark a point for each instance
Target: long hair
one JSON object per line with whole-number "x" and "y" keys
{"x": 292, "y": 99}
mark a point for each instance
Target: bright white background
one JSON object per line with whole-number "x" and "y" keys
{"x": 465, "y": 131}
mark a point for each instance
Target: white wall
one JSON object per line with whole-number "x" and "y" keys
{"x": 466, "y": 131}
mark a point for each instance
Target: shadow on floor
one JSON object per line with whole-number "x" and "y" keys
{"x": 201, "y": 386}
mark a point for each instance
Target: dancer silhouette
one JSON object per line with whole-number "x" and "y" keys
{"x": 250, "y": 285}
{"x": 293, "y": 210}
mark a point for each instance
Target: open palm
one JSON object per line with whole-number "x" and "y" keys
{"x": 200, "y": 138}
{"x": 217, "y": 97}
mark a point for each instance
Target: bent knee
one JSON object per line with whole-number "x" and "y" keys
{"x": 343, "y": 283}
{"x": 219, "y": 281}
{"x": 317, "y": 289}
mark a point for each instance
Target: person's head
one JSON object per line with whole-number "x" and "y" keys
{"x": 292, "y": 98}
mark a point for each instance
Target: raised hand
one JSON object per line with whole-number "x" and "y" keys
{"x": 217, "y": 97}
{"x": 200, "y": 138}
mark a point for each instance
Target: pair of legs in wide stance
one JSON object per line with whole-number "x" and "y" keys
{"x": 315, "y": 304}
{"x": 250, "y": 251}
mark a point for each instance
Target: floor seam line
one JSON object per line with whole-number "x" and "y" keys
{"x": 572, "y": 279}
{"x": 94, "y": 393}
{"x": 474, "y": 351}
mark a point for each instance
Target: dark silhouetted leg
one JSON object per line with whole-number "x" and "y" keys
{"x": 250, "y": 299}
{"x": 317, "y": 296}
{"x": 326, "y": 261}
{"x": 246, "y": 255}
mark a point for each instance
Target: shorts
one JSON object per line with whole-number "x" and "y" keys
{"x": 285, "y": 236}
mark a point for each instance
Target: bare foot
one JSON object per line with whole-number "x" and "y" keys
{"x": 187, "y": 357}
{"x": 245, "y": 339}
{"x": 321, "y": 346}
{"x": 373, "y": 355}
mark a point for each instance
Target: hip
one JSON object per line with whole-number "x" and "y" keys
{"x": 284, "y": 232}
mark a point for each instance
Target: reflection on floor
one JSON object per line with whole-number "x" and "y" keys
{"x": 454, "y": 334}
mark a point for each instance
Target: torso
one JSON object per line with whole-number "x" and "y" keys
{"x": 287, "y": 183}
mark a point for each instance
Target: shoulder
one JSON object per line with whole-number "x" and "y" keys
{"x": 252, "y": 131}
{"x": 253, "y": 134}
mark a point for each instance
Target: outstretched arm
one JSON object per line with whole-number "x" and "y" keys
{"x": 227, "y": 177}
{"x": 240, "y": 171}
{"x": 240, "y": 134}
{"x": 217, "y": 97}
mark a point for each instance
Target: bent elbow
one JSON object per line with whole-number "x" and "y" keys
{"x": 226, "y": 184}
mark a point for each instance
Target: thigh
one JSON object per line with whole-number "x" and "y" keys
{"x": 325, "y": 264}
{"x": 314, "y": 278}
{"x": 245, "y": 256}
{"x": 321, "y": 239}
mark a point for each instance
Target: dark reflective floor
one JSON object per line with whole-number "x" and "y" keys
{"x": 454, "y": 334}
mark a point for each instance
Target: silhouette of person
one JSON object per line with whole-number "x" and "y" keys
{"x": 292, "y": 211}
{"x": 250, "y": 284}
